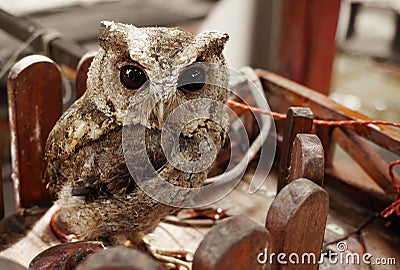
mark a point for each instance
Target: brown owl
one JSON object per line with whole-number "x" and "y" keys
{"x": 143, "y": 74}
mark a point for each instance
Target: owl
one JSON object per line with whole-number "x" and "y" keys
{"x": 143, "y": 74}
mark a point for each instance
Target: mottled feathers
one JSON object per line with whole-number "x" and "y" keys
{"x": 86, "y": 163}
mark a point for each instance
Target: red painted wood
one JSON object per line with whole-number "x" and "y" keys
{"x": 82, "y": 73}
{"x": 34, "y": 99}
{"x": 306, "y": 45}
{"x": 1, "y": 193}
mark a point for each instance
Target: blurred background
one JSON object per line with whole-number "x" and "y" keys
{"x": 349, "y": 49}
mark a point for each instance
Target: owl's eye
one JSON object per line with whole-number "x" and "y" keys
{"x": 132, "y": 77}
{"x": 192, "y": 79}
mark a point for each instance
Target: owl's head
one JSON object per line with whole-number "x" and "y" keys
{"x": 176, "y": 66}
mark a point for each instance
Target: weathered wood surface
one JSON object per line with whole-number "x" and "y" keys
{"x": 120, "y": 258}
{"x": 378, "y": 242}
{"x": 232, "y": 244}
{"x": 323, "y": 107}
{"x": 296, "y": 221}
{"x": 365, "y": 156}
{"x": 35, "y": 105}
{"x": 283, "y": 93}
{"x": 354, "y": 183}
{"x": 307, "y": 159}
{"x": 298, "y": 120}
{"x": 10, "y": 265}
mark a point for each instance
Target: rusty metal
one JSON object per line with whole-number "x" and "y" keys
{"x": 307, "y": 159}
{"x": 232, "y": 244}
{"x": 60, "y": 49}
{"x": 34, "y": 99}
{"x": 65, "y": 256}
{"x": 298, "y": 120}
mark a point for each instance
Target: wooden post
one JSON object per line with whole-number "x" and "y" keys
{"x": 296, "y": 221}
{"x": 34, "y": 99}
{"x": 232, "y": 244}
{"x": 298, "y": 120}
{"x": 60, "y": 49}
{"x": 2, "y": 203}
{"x": 306, "y": 41}
{"x": 82, "y": 73}
{"x": 307, "y": 159}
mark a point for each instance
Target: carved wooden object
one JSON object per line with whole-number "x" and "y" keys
{"x": 232, "y": 244}
{"x": 34, "y": 100}
{"x": 307, "y": 159}
{"x": 298, "y": 120}
{"x": 296, "y": 221}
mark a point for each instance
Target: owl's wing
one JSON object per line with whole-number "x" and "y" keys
{"x": 80, "y": 124}
{"x": 85, "y": 149}
{"x": 81, "y": 128}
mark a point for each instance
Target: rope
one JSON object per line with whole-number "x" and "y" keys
{"x": 395, "y": 206}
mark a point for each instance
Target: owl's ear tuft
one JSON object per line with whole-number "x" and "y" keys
{"x": 113, "y": 35}
{"x": 213, "y": 39}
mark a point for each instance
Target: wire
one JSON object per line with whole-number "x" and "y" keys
{"x": 13, "y": 58}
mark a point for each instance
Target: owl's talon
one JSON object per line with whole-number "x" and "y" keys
{"x": 187, "y": 256}
{"x": 171, "y": 259}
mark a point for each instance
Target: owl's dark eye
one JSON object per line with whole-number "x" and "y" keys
{"x": 132, "y": 77}
{"x": 192, "y": 79}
